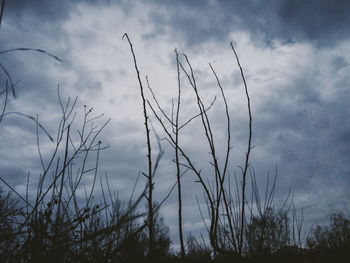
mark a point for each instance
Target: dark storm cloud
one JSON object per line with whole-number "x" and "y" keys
{"x": 321, "y": 21}
{"x": 12, "y": 175}
{"x": 43, "y": 9}
{"x": 310, "y": 135}
{"x": 39, "y": 8}
{"x": 51, "y": 10}
{"x": 25, "y": 81}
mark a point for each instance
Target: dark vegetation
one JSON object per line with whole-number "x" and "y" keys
{"x": 58, "y": 225}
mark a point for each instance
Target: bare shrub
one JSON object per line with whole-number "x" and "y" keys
{"x": 331, "y": 243}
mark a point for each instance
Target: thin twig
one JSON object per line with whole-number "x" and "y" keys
{"x": 249, "y": 147}
{"x": 30, "y": 49}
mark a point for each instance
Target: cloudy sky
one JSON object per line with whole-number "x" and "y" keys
{"x": 295, "y": 54}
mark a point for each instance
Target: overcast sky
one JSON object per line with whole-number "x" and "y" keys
{"x": 295, "y": 55}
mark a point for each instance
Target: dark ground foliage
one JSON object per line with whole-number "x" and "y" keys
{"x": 84, "y": 238}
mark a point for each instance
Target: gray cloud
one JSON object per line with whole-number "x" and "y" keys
{"x": 310, "y": 135}
{"x": 51, "y": 11}
{"x": 323, "y": 22}
{"x": 46, "y": 10}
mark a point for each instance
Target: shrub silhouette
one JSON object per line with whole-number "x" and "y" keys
{"x": 9, "y": 212}
{"x": 331, "y": 243}
{"x": 268, "y": 233}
